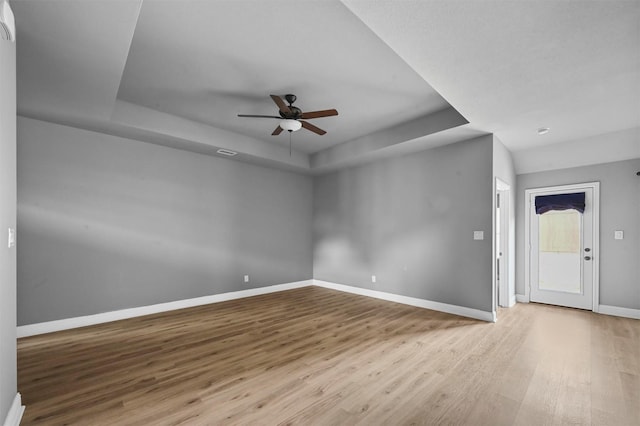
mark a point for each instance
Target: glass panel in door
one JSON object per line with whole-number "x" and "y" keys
{"x": 559, "y": 260}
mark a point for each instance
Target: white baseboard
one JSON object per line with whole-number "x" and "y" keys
{"x": 15, "y": 412}
{"x": 512, "y": 300}
{"x": 406, "y": 300}
{"x": 84, "y": 321}
{"x": 68, "y": 323}
{"x": 619, "y": 312}
{"x": 602, "y": 309}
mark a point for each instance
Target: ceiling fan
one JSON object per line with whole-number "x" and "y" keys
{"x": 291, "y": 117}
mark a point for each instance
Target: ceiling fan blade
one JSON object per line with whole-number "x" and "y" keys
{"x": 259, "y": 116}
{"x": 277, "y": 131}
{"x": 318, "y": 114}
{"x": 313, "y": 128}
{"x": 281, "y": 105}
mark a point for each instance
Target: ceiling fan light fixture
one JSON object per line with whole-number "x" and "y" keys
{"x": 290, "y": 125}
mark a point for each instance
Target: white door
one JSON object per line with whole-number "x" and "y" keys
{"x": 563, "y": 250}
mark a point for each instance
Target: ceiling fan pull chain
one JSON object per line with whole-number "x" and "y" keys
{"x": 289, "y": 143}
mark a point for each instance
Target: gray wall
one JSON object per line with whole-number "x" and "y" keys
{"x": 8, "y": 386}
{"x": 410, "y": 221}
{"x": 619, "y": 210}
{"x": 503, "y": 167}
{"x": 107, "y": 223}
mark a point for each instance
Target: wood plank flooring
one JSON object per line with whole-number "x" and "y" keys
{"x": 314, "y": 356}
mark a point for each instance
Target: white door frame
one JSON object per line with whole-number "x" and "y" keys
{"x": 503, "y": 296}
{"x": 596, "y": 234}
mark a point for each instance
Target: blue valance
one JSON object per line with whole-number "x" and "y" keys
{"x": 545, "y": 203}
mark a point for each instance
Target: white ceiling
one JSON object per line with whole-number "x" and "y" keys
{"x": 178, "y": 72}
{"x": 70, "y": 56}
{"x": 511, "y": 67}
{"x": 229, "y": 56}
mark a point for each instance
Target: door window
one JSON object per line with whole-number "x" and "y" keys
{"x": 559, "y": 251}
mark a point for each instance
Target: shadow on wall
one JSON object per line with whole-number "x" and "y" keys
{"x": 132, "y": 224}
{"x": 410, "y": 222}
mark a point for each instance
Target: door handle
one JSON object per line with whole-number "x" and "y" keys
{"x": 587, "y": 258}
{"x": 587, "y": 249}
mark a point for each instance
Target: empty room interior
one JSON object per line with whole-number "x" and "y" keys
{"x": 319, "y": 212}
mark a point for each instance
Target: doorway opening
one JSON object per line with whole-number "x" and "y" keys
{"x": 503, "y": 295}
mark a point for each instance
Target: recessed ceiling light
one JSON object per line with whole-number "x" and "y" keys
{"x": 543, "y": 130}
{"x": 226, "y": 152}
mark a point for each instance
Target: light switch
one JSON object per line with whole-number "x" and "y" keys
{"x": 618, "y": 235}
{"x": 478, "y": 235}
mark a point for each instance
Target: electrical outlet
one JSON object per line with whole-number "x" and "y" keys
{"x": 618, "y": 235}
{"x": 373, "y": 278}
{"x": 246, "y": 278}
{"x": 478, "y": 235}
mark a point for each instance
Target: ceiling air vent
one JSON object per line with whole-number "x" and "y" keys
{"x": 226, "y": 152}
{"x": 7, "y": 23}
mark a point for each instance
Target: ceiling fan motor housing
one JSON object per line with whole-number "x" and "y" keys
{"x": 295, "y": 114}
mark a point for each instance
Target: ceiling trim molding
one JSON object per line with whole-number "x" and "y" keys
{"x": 177, "y": 132}
{"x": 365, "y": 146}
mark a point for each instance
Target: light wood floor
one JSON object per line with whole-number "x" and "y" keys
{"x": 314, "y": 356}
